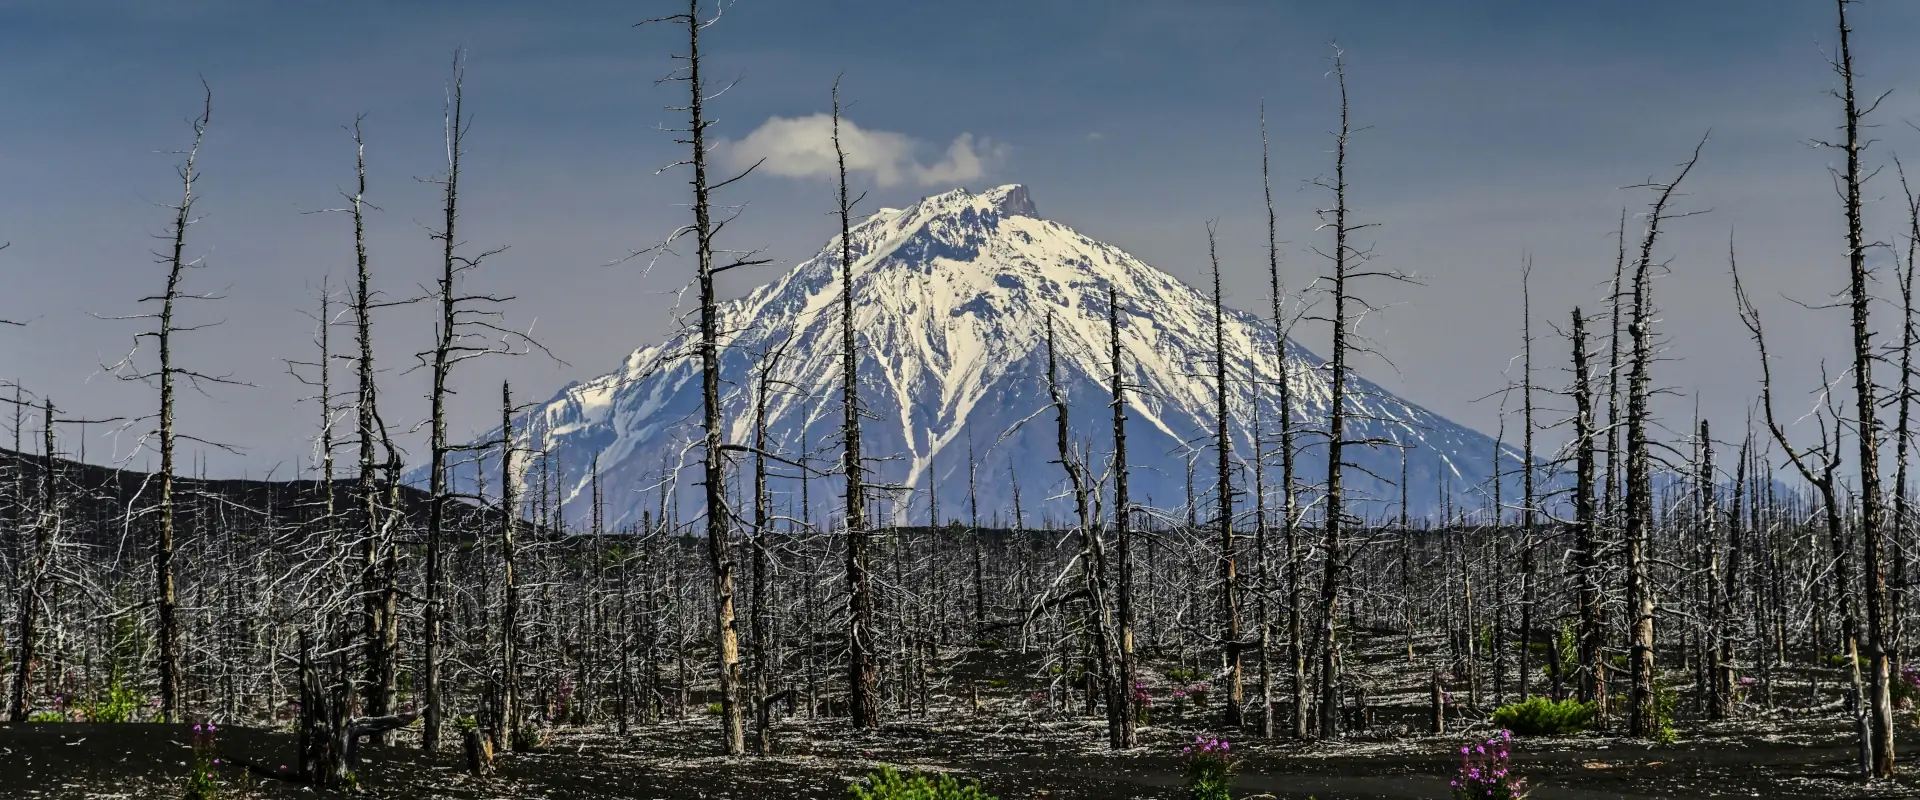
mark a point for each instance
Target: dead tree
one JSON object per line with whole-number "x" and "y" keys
{"x": 1348, "y": 267}
{"x": 1866, "y": 399}
{"x": 705, "y": 228}
{"x": 166, "y": 375}
{"x": 1286, "y": 459}
{"x": 1715, "y": 632}
{"x": 46, "y": 528}
{"x": 862, "y": 677}
{"x": 1592, "y": 684}
{"x": 1092, "y": 558}
{"x": 761, "y": 613}
{"x": 463, "y": 330}
{"x": 379, "y": 556}
{"x": 1123, "y": 695}
{"x": 1289, "y": 495}
{"x": 1639, "y": 493}
{"x": 1336, "y": 433}
{"x": 1232, "y": 714}
{"x": 506, "y": 714}
{"x": 1903, "y": 399}
{"x": 1528, "y": 504}
{"x": 1610, "y": 488}
{"x": 976, "y": 538}
{"x": 1822, "y": 477}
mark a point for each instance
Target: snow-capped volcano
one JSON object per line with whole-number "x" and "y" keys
{"x": 952, "y": 297}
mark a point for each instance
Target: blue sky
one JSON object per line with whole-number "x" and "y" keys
{"x": 1496, "y": 129}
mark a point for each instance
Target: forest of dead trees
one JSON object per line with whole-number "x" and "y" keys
{"x": 1721, "y": 570}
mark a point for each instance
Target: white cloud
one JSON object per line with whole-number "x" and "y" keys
{"x": 802, "y": 147}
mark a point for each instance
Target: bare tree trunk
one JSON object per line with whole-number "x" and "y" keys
{"x": 168, "y": 646}
{"x": 1610, "y": 505}
{"x": 439, "y": 448}
{"x": 1233, "y": 711}
{"x": 1527, "y": 587}
{"x": 862, "y": 683}
{"x": 1586, "y": 535}
{"x": 979, "y": 550}
{"x": 377, "y": 602}
{"x": 507, "y": 715}
{"x": 1902, "y": 508}
{"x": 1123, "y": 695}
{"x": 1289, "y": 505}
{"x": 719, "y": 517}
{"x": 1718, "y": 695}
{"x": 1639, "y": 495}
{"x": 1267, "y": 727}
{"x": 1867, "y": 433}
{"x": 762, "y": 616}
{"x": 1336, "y": 435}
{"x": 33, "y": 572}
{"x": 1092, "y": 562}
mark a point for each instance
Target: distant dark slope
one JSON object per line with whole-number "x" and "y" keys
{"x": 95, "y": 498}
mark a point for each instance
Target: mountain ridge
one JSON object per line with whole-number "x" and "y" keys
{"x": 952, "y": 294}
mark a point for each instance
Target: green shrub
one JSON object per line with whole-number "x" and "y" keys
{"x": 529, "y": 737}
{"x": 46, "y": 716}
{"x": 886, "y": 783}
{"x": 715, "y": 709}
{"x": 998, "y": 683}
{"x": 465, "y": 723}
{"x": 1539, "y": 716}
{"x": 1665, "y": 699}
{"x": 116, "y": 703}
{"x": 1840, "y": 660}
{"x": 1181, "y": 674}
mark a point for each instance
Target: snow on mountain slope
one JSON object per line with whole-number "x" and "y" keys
{"x": 952, "y": 297}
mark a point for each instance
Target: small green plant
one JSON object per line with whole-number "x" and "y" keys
{"x": 465, "y": 723}
{"x": 987, "y": 643}
{"x": 1665, "y": 699}
{"x": 116, "y": 703}
{"x": 1486, "y": 772}
{"x": 529, "y": 737}
{"x": 714, "y": 709}
{"x": 46, "y": 716}
{"x": 1840, "y": 660}
{"x": 887, "y": 783}
{"x": 1539, "y": 716}
{"x": 1209, "y": 769}
{"x": 200, "y": 783}
{"x": 1181, "y": 674}
{"x": 998, "y": 683}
